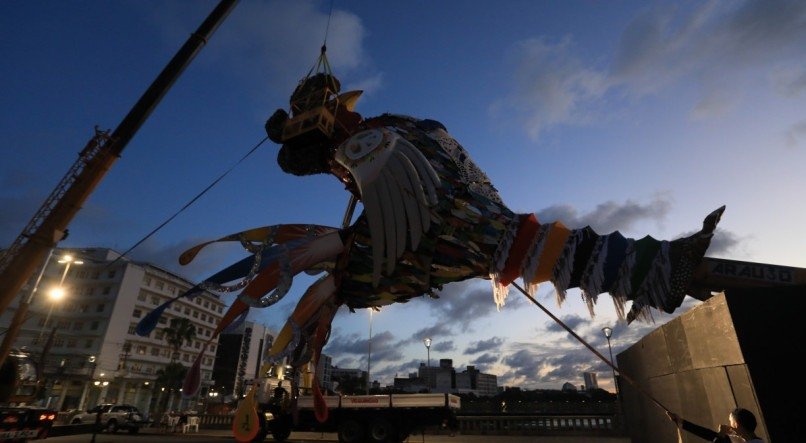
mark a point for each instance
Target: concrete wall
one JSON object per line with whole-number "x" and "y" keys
{"x": 734, "y": 350}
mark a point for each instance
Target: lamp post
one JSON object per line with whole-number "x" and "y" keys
{"x": 57, "y": 294}
{"x": 369, "y": 351}
{"x": 427, "y": 342}
{"x": 608, "y": 332}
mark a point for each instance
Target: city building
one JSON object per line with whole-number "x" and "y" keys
{"x": 445, "y": 379}
{"x": 239, "y": 359}
{"x": 324, "y": 372}
{"x": 590, "y": 381}
{"x": 86, "y": 341}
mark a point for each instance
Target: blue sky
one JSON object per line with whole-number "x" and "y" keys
{"x": 630, "y": 115}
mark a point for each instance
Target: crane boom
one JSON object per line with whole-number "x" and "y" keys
{"x": 49, "y": 224}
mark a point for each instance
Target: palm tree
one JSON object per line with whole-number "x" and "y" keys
{"x": 170, "y": 379}
{"x": 180, "y": 331}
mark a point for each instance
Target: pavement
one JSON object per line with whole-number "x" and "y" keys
{"x": 427, "y": 438}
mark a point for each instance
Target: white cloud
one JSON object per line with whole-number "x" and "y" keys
{"x": 796, "y": 134}
{"x": 719, "y": 46}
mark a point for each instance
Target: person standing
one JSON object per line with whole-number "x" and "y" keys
{"x": 741, "y": 429}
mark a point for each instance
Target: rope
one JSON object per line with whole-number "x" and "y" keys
{"x": 587, "y": 345}
{"x": 193, "y": 200}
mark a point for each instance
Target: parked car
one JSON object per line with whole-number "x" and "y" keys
{"x": 113, "y": 417}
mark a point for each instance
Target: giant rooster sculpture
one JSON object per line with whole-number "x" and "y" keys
{"x": 430, "y": 217}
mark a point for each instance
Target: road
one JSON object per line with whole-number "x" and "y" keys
{"x": 149, "y": 436}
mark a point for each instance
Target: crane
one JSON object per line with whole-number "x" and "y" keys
{"x": 49, "y": 225}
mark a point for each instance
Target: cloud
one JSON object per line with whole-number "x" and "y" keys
{"x": 486, "y": 359}
{"x": 572, "y": 321}
{"x": 791, "y": 82}
{"x": 552, "y": 86}
{"x": 484, "y": 345}
{"x": 796, "y": 133}
{"x": 444, "y": 346}
{"x": 281, "y": 40}
{"x": 385, "y": 347}
{"x": 464, "y": 302}
{"x": 716, "y": 46}
{"x": 609, "y": 216}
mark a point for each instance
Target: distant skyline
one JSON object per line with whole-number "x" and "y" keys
{"x": 635, "y": 116}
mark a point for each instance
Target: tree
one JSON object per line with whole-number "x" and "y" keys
{"x": 169, "y": 378}
{"x": 180, "y": 331}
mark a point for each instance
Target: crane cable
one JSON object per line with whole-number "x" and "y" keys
{"x": 193, "y": 200}
{"x": 590, "y": 348}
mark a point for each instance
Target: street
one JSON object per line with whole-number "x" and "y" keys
{"x": 152, "y": 436}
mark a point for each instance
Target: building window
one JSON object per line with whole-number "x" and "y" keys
{"x": 162, "y": 320}
{"x": 107, "y": 290}
{"x": 137, "y": 313}
{"x": 77, "y": 326}
{"x": 146, "y": 281}
{"x": 155, "y": 351}
{"x": 141, "y": 296}
{"x": 206, "y": 304}
{"x": 219, "y": 309}
{"x": 96, "y": 275}
{"x": 203, "y": 317}
{"x": 111, "y": 274}
{"x": 212, "y": 348}
{"x": 177, "y": 307}
{"x": 81, "y": 274}
{"x": 197, "y": 345}
{"x": 172, "y": 290}
{"x": 63, "y": 324}
{"x": 59, "y": 342}
{"x": 155, "y": 300}
{"x": 141, "y": 349}
{"x": 88, "y": 344}
{"x": 132, "y": 329}
{"x": 195, "y": 314}
{"x": 94, "y": 326}
{"x": 159, "y": 335}
{"x": 185, "y": 357}
{"x": 84, "y": 308}
{"x": 71, "y": 343}
{"x": 100, "y": 308}
{"x": 160, "y": 285}
{"x": 206, "y": 332}
{"x": 198, "y": 301}
{"x": 164, "y": 353}
{"x": 187, "y": 311}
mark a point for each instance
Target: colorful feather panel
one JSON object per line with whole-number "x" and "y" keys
{"x": 649, "y": 272}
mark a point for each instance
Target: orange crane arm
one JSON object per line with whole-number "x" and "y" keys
{"x": 49, "y": 224}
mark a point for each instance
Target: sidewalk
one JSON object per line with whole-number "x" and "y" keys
{"x": 428, "y": 438}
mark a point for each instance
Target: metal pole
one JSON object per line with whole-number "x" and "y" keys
{"x": 615, "y": 383}
{"x": 369, "y": 350}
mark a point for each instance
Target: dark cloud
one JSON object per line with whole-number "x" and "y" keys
{"x": 484, "y": 345}
{"x": 464, "y": 303}
{"x": 609, "y": 216}
{"x": 722, "y": 242}
{"x": 385, "y": 347}
{"x": 485, "y": 360}
{"x": 443, "y": 346}
{"x": 571, "y": 320}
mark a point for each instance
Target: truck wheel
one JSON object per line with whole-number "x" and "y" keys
{"x": 350, "y": 431}
{"x": 281, "y": 434}
{"x": 381, "y": 430}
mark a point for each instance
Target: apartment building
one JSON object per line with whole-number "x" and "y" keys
{"x": 86, "y": 341}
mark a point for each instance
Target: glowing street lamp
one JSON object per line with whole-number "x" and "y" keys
{"x": 427, "y": 342}
{"x": 608, "y": 332}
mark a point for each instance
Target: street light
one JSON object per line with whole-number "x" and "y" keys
{"x": 427, "y": 342}
{"x": 608, "y": 332}
{"x": 57, "y": 294}
{"x": 369, "y": 350}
